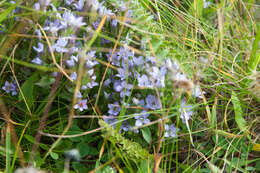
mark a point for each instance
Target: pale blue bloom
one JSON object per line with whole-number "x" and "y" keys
{"x": 79, "y": 5}
{"x": 10, "y": 87}
{"x": 60, "y": 45}
{"x": 142, "y": 119}
{"x": 73, "y": 76}
{"x": 196, "y": 92}
{"x": 40, "y": 48}
{"x": 186, "y": 111}
{"x": 170, "y": 131}
{"x": 81, "y": 105}
{"x": 37, "y": 61}
{"x": 152, "y": 102}
{"x": 114, "y": 109}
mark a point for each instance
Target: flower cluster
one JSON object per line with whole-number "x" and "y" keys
{"x": 134, "y": 86}
{"x": 10, "y": 87}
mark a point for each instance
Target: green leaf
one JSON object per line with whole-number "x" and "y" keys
{"x": 6, "y": 12}
{"x": 85, "y": 149}
{"x": 31, "y": 139}
{"x": 238, "y": 112}
{"x": 8, "y": 148}
{"x": 27, "y": 90}
{"x": 147, "y": 134}
{"x": 254, "y": 56}
{"x": 45, "y": 81}
{"x": 55, "y": 156}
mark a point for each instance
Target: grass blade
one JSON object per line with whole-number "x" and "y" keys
{"x": 238, "y": 112}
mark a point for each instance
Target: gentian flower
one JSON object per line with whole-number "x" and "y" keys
{"x": 81, "y": 105}
{"x": 142, "y": 119}
{"x": 79, "y": 5}
{"x": 152, "y": 102}
{"x": 170, "y": 131}
{"x": 37, "y": 61}
{"x": 114, "y": 109}
{"x": 186, "y": 111}
{"x": 73, "y": 76}
{"x": 10, "y": 87}
{"x": 40, "y": 48}
{"x": 60, "y": 44}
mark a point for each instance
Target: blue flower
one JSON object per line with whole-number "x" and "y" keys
{"x": 170, "y": 131}
{"x": 196, "y": 92}
{"x": 81, "y": 105}
{"x": 37, "y": 61}
{"x": 73, "y": 76}
{"x": 111, "y": 120}
{"x": 79, "y": 6}
{"x": 143, "y": 81}
{"x": 40, "y": 48}
{"x": 71, "y": 62}
{"x": 125, "y": 126}
{"x": 70, "y": 19}
{"x": 60, "y": 45}
{"x": 138, "y": 61}
{"x": 142, "y": 119}
{"x": 118, "y": 87}
{"x": 53, "y": 27}
{"x": 152, "y": 102}
{"x": 10, "y": 87}
{"x": 186, "y": 111}
{"x": 114, "y": 23}
{"x": 114, "y": 109}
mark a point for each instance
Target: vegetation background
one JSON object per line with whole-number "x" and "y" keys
{"x": 216, "y": 44}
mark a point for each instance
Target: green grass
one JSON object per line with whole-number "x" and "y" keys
{"x": 217, "y": 47}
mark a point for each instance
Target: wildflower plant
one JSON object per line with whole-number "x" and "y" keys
{"x": 107, "y": 82}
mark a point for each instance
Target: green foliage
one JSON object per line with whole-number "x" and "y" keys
{"x": 134, "y": 151}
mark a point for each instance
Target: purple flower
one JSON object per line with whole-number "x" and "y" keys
{"x": 118, "y": 87}
{"x": 170, "y": 131}
{"x": 123, "y": 6}
{"x": 107, "y": 82}
{"x": 79, "y": 95}
{"x": 115, "y": 59}
{"x": 73, "y": 76}
{"x": 196, "y": 92}
{"x": 53, "y": 27}
{"x": 40, "y": 48}
{"x": 150, "y": 59}
{"x": 152, "y": 102}
{"x": 143, "y": 81}
{"x": 79, "y": 6}
{"x": 124, "y": 53}
{"x": 172, "y": 66}
{"x": 114, "y": 109}
{"x": 68, "y": 2}
{"x": 121, "y": 74}
{"x": 10, "y": 87}
{"x": 37, "y": 6}
{"x": 142, "y": 119}
{"x": 138, "y": 61}
{"x": 186, "y": 111}
{"x": 60, "y": 44}
{"x": 96, "y": 24}
{"x": 71, "y": 62}
{"x": 205, "y": 4}
{"x": 71, "y": 20}
{"x": 37, "y": 61}
{"x": 111, "y": 120}
{"x": 114, "y": 23}
{"x": 81, "y": 105}
{"x": 90, "y": 59}
{"x": 125, "y": 126}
